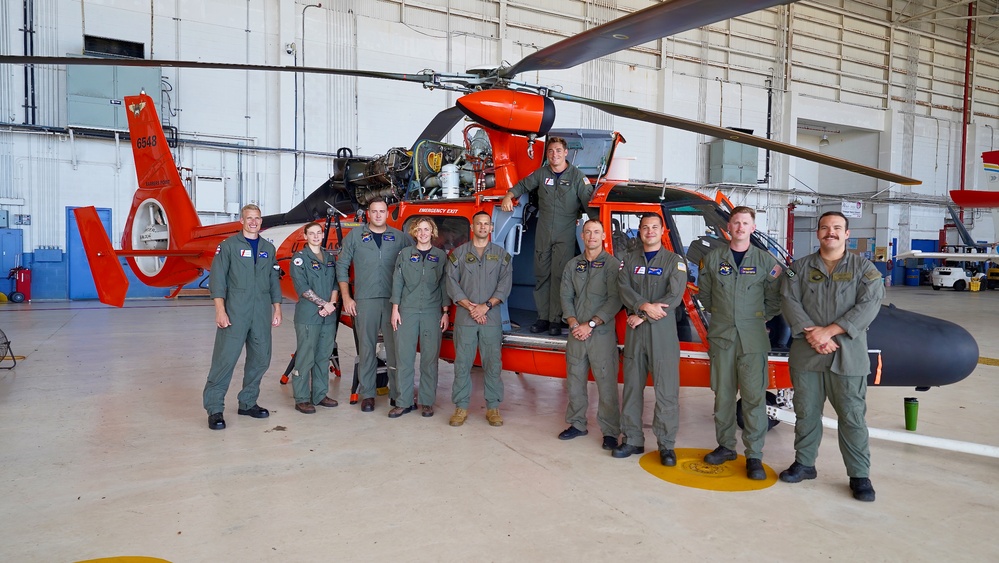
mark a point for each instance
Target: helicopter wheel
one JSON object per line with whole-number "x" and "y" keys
{"x": 771, "y": 422}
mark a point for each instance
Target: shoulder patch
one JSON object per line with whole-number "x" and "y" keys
{"x": 452, "y": 258}
{"x": 218, "y": 249}
{"x": 681, "y": 266}
{"x": 506, "y": 258}
{"x": 789, "y": 273}
{"x": 872, "y": 275}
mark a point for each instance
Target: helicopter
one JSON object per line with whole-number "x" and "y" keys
{"x": 166, "y": 246}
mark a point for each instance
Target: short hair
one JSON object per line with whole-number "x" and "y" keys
{"x": 377, "y": 199}
{"x": 488, "y": 216}
{"x": 553, "y": 140}
{"x": 832, "y": 214}
{"x": 645, "y": 216}
{"x": 743, "y": 209}
{"x": 597, "y": 221}
{"x": 422, "y": 219}
{"x": 311, "y": 224}
{"x": 249, "y": 207}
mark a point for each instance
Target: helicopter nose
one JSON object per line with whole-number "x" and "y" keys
{"x": 918, "y": 350}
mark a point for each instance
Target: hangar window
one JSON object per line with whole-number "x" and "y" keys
{"x": 105, "y": 47}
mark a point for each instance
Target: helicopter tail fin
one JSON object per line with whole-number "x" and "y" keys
{"x": 109, "y": 276}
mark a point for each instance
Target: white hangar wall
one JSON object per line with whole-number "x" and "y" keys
{"x": 884, "y": 94}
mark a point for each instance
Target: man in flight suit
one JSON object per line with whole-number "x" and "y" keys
{"x": 244, "y": 286}
{"x": 590, "y": 300}
{"x": 563, "y": 192}
{"x": 740, "y": 286}
{"x": 652, "y": 280}
{"x": 372, "y": 249}
{"x": 479, "y": 278}
{"x": 829, "y": 299}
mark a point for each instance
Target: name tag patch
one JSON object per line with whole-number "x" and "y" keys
{"x": 388, "y": 238}
{"x": 597, "y": 264}
{"x": 655, "y": 271}
{"x": 843, "y": 276}
{"x": 432, "y": 258}
{"x": 263, "y": 254}
{"x": 747, "y": 271}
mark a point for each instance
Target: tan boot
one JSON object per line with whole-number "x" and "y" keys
{"x": 494, "y": 418}
{"x": 459, "y": 416}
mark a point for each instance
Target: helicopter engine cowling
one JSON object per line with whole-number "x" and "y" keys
{"x": 520, "y": 113}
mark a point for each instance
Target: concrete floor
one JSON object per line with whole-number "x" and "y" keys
{"x": 105, "y": 452}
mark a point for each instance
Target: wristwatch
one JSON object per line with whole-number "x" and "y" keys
{"x": 489, "y": 304}
{"x": 592, "y": 323}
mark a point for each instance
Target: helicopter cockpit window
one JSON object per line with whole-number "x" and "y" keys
{"x": 452, "y": 232}
{"x": 624, "y": 232}
{"x": 697, "y": 229}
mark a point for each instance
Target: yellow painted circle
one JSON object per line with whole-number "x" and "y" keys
{"x": 692, "y": 471}
{"x": 126, "y": 559}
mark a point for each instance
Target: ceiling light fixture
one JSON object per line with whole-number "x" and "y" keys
{"x": 824, "y": 142}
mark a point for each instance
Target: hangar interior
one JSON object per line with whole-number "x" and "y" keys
{"x": 108, "y": 452}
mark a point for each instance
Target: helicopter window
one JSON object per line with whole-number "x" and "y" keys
{"x": 624, "y": 232}
{"x": 452, "y": 232}
{"x": 697, "y": 229}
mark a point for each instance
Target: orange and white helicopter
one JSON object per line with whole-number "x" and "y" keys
{"x": 166, "y": 246}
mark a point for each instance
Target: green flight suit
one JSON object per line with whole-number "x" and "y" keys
{"x": 418, "y": 287}
{"x": 315, "y": 335}
{"x": 478, "y": 279}
{"x": 250, "y": 287}
{"x": 561, "y": 198}
{"x": 741, "y": 299}
{"x": 589, "y": 289}
{"x": 653, "y": 345}
{"x": 373, "y": 269}
{"x": 849, "y": 296}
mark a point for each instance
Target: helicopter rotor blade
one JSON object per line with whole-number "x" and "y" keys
{"x": 420, "y": 78}
{"x": 442, "y": 124}
{"x": 660, "y": 20}
{"x": 631, "y": 112}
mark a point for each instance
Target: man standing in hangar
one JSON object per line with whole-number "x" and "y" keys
{"x": 829, "y": 299}
{"x": 652, "y": 281}
{"x": 563, "y": 192}
{"x": 479, "y": 279}
{"x": 739, "y": 285}
{"x": 244, "y": 286}
{"x": 372, "y": 249}
{"x": 590, "y": 301}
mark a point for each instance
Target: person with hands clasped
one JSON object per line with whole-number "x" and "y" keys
{"x": 590, "y": 300}
{"x": 313, "y": 272}
{"x": 652, "y": 281}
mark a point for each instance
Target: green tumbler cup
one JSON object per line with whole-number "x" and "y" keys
{"x": 911, "y": 413}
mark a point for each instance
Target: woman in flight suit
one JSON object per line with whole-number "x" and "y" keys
{"x": 419, "y": 313}
{"x": 313, "y": 270}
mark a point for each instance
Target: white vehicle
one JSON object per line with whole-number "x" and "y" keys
{"x": 954, "y": 276}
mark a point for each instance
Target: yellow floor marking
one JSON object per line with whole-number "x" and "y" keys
{"x": 126, "y": 559}
{"x": 988, "y": 361}
{"x": 692, "y": 471}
